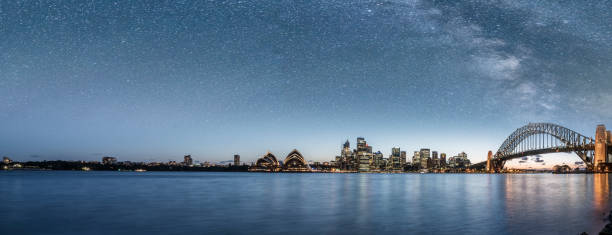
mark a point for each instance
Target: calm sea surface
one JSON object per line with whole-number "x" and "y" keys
{"x": 63, "y": 202}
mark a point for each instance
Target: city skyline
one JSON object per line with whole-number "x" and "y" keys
{"x": 213, "y": 79}
{"x": 439, "y": 159}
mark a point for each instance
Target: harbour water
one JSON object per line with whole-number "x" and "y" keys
{"x": 70, "y": 202}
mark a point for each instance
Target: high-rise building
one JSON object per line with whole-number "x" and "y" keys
{"x": 442, "y": 160}
{"x": 434, "y": 159}
{"x": 347, "y": 160}
{"x": 425, "y": 158}
{"x": 403, "y": 159}
{"x": 364, "y": 161}
{"x": 236, "y": 160}
{"x": 362, "y": 153}
{"x": 347, "y": 157}
{"x": 361, "y": 145}
{"x": 395, "y": 151}
{"x": 188, "y": 161}
{"x": 378, "y": 161}
{"x": 394, "y": 159}
{"x": 459, "y": 161}
{"x": 416, "y": 159}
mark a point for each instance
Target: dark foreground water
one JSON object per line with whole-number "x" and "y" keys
{"x": 55, "y": 202}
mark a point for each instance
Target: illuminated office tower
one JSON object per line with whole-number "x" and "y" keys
{"x": 425, "y": 158}
{"x": 416, "y": 159}
{"x": 435, "y": 160}
{"x": 347, "y": 157}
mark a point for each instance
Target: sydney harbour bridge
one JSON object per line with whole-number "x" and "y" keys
{"x": 543, "y": 138}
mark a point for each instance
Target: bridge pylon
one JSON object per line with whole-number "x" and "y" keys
{"x": 602, "y": 156}
{"x": 489, "y": 163}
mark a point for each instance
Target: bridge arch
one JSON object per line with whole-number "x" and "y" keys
{"x": 541, "y": 138}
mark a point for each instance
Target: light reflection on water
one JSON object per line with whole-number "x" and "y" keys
{"x": 249, "y": 203}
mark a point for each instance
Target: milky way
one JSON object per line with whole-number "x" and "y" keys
{"x": 152, "y": 81}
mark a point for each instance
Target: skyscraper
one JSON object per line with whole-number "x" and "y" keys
{"x": 347, "y": 157}
{"x": 188, "y": 161}
{"x": 425, "y": 158}
{"x": 459, "y": 161}
{"x": 364, "y": 161}
{"x": 403, "y": 159}
{"x": 434, "y": 159}
{"x": 378, "y": 161}
{"x": 442, "y": 160}
{"x": 395, "y": 158}
{"x": 416, "y": 159}
{"x": 363, "y": 154}
{"x": 236, "y": 160}
{"x": 361, "y": 144}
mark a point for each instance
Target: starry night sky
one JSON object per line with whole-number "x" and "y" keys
{"x": 154, "y": 80}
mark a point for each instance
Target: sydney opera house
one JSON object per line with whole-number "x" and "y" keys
{"x": 294, "y": 162}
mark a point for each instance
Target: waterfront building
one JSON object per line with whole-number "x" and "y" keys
{"x": 362, "y": 154}
{"x": 435, "y": 160}
{"x": 561, "y": 168}
{"x": 394, "y": 159}
{"x": 403, "y": 159}
{"x": 425, "y": 158}
{"x": 442, "y": 160}
{"x": 267, "y": 162}
{"x": 187, "y": 160}
{"x": 416, "y": 159}
{"x": 364, "y": 161}
{"x": 109, "y": 160}
{"x": 459, "y": 161}
{"x": 236, "y": 160}
{"x": 378, "y": 162}
{"x": 337, "y": 162}
{"x": 6, "y": 160}
{"x": 347, "y": 157}
{"x": 294, "y": 162}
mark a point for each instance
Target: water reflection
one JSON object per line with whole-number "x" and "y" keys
{"x": 601, "y": 191}
{"x": 238, "y": 203}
